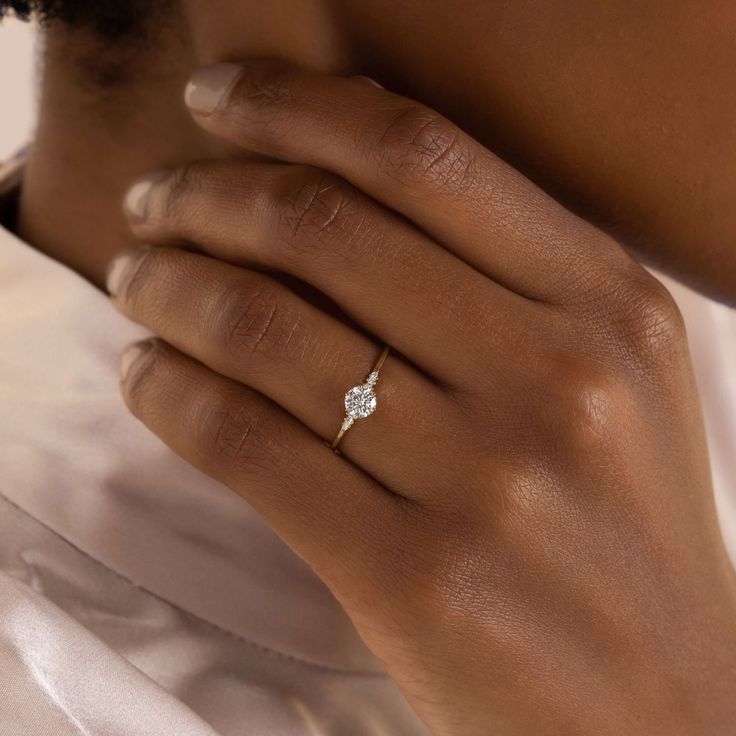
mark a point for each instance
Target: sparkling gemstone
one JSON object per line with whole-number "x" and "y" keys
{"x": 360, "y": 401}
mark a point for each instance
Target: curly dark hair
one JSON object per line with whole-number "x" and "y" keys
{"x": 112, "y": 19}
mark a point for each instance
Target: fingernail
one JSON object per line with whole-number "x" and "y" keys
{"x": 210, "y": 86}
{"x": 369, "y": 79}
{"x": 130, "y": 356}
{"x": 117, "y": 271}
{"x": 137, "y": 199}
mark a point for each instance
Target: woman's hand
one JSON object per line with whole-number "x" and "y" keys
{"x": 524, "y": 530}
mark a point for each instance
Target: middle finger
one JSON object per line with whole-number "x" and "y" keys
{"x": 441, "y": 313}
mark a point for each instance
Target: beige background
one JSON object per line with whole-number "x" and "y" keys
{"x": 17, "y": 88}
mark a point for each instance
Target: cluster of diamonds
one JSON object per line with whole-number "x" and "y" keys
{"x": 360, "y": 401}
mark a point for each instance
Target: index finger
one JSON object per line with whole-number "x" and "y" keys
{"x": 413, "y": 160}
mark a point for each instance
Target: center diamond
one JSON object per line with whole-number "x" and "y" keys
{"x": 360, "y": 401}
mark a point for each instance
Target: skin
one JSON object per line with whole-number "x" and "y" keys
{"x": 573, "y": 94}
{"x": 514, "y": 578}
{"x": 524, "y": 531}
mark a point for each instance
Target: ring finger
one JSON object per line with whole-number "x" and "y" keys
{"x": 249, "y": 327}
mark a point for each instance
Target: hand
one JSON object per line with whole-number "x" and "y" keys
{"x": 524, "y": 530}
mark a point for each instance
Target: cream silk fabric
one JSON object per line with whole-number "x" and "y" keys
{"x": 138, "y": 597}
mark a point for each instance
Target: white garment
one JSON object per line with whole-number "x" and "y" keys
{"x": 138, "y": 596}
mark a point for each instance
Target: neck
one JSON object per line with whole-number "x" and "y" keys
{"x": 107, "y": 117}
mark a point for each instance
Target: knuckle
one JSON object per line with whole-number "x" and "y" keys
{"x": 255, "y": 321}
{"x": 315, "y": 209}
{"x": 571, "y": 404}
{"x": 591, "y": 404}
{"x": 421, "y": 148}
{"x": 645, "y": 318}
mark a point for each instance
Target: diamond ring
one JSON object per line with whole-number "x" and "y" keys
{"x": 360, "y": 401}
